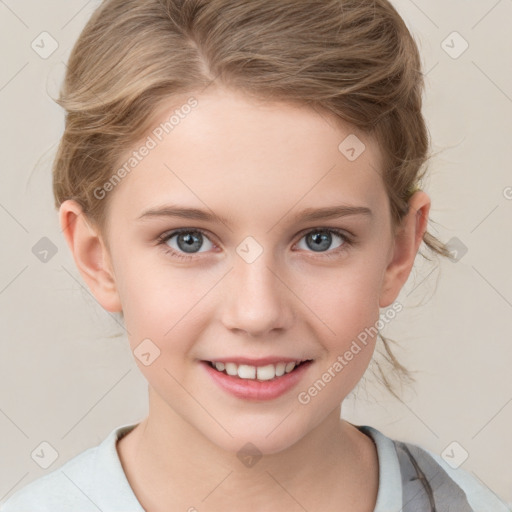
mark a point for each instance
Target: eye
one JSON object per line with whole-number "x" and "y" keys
{"x": 183, "y": 242}
{"x": 320, "y": 239}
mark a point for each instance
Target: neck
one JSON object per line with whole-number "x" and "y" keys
{"x": 169, "y": 464}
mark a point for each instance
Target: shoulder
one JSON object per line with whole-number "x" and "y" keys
{"x": 406, "y": 466}
{"x": 447, "y": 482}
{"x": 63, "y": 489}
{"x": 481, "y": 497}
{"x": 92, "y": 480}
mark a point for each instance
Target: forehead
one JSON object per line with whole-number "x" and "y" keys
{"x": 226, "y": 152}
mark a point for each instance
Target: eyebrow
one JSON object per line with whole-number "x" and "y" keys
{"x": 309, "y": 214}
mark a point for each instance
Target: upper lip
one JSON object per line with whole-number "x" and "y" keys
{"x": 260, "y": 361}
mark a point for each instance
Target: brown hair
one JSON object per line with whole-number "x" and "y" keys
{"x": 353, "y": 59}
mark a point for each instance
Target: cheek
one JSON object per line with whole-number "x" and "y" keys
{"x": 346, "y": 300}
{"x": 349, "y": 307}
{"x": 348, "y": 303}
{"x": 162, "y": 303}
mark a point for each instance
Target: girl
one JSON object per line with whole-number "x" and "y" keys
{"x": 240, "y": 180}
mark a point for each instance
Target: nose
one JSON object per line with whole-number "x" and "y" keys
{"x": 258, "y": 300}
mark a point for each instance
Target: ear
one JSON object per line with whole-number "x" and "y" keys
{"x": 406, "y": 244}
{"x": 90, "y": 254}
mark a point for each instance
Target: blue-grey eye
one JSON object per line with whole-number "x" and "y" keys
{"x": 320, "y": 240}
{"x": 188, "y": 241}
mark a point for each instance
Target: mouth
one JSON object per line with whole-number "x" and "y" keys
{"x": 262, "y": 373}
{"x": 257, "y": 379}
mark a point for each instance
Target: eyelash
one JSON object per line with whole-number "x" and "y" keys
{"x": 348, "y": 242}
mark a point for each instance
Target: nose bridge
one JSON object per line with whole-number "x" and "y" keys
{"x": 258, "y": 301}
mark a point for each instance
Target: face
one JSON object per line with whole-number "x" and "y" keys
{"x": 263, "y": 276}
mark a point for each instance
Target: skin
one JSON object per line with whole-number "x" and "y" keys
{"x": 257, "y": 164}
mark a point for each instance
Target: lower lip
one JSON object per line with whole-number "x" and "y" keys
{"x": 256, "y": 389}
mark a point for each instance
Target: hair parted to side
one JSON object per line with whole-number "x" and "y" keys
{"x": 354, "y": 59}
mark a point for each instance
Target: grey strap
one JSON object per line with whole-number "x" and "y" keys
{"x": 426, "y": 486}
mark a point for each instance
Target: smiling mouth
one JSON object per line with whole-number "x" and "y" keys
{"x": 260, "y": 373}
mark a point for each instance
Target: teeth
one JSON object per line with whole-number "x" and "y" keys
{"x": 231, "y": 369}
{"x": 246, "y": 371}
{"x": 266, "y": 372}
{"x": 280, "y": 369}
{"x": 289, "y": 367}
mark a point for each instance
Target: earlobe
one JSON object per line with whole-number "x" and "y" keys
{"x": 90, "y": 254}
{"x": 406, "y": 246}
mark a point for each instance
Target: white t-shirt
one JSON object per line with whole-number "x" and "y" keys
{"x": 94, "y": 481}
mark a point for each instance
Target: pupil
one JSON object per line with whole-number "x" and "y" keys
{"x": 321, "y": 240}
{"x": 191, "y": 242}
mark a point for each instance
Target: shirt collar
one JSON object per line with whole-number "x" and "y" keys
{"x": 389, "y": 495}
{"x": 119, "y": 496}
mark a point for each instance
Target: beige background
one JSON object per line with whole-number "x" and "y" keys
{"x": 68, "y": 380}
